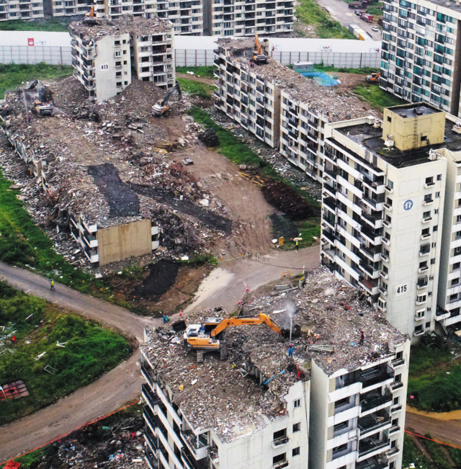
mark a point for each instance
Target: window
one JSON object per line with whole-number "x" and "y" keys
{"x": 297, "y": 403}
{"x": 396, "y": 401}
{"x": 435, "y": 228}
{"x": 439, "y": 177}
{"x": 437, "y": 195}
{"x": 430, "y": 180}
{"x": 425, "y": 232}
{"x": 436, "y": 211}
{"x": 340, "y": 448}
{"x": 296, "y": 451}
{"x": 280, "y": 458}
{"x": 389, "y": 119}
{"x": 280, "y": 435}
{"x": 296, "y": 427}
{"x": 434, "y": 245}
{"x": 432, "y": 261}
{"x": 341, "y": 426}
{"x": 457, "y": 251}
{"x": 341, "y": 402}
{"x": 428, "y": 198}
{"x": 427, "y": 214}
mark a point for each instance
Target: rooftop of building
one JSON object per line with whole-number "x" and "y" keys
{"x": 135, "y": 25}
{"x": 367, "y": 135}
{"x": 414, "y": 110}
{"x": 224, "y": 395}
{"x": 452, "y": 5}
{"x": 332, "y": 102}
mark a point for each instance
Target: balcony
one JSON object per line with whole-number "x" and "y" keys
{"x": 280, "y": 442}
{"x": 428, "y": 202}
{"x": 370, "y": 286}
{"x": 440, "y": 315}
{"x": 370, "y": 423}
{"x": 373, "y": 463}
{"x": 375, "y": 401}
{"x": 151, "y": 397}
{"x": 427, "y": 220}
{"x": 375, "y": 376}
{"x": 370, "y": 445}
{"x": 280, "y": 465}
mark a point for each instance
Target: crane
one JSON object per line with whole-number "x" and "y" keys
{"x": 203, "y": 337}
{"x": 258, "y": 57}
{"x": 160, "y": 108}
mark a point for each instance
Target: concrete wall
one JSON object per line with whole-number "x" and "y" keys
{"x": 122, "y": 241}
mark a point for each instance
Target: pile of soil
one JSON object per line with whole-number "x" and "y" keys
{"x": 287, "y": 200}
{"x": 161, "y": 278}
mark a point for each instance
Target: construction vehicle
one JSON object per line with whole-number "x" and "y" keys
{"x": 90, "y": 18}
{"x": 366, "y": 17}
{"x": 374, "y": 77}
{"x": 258, "y": 57}
{"x": 161, "y": 109}
{"x": 357, "y": 5}
{"x": 43, "y": 105}
{"x": 209, "y": 336}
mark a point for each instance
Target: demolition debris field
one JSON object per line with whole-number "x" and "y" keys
{"x": 327, "y": 317}
{"x": 51, "y": 351}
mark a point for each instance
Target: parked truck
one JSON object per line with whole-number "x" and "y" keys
{"x": 362, "y": 4}
{"x": 366, "y": 17}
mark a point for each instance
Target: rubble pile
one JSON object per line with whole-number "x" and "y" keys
{"x": 209, "y": 138}
{"x": 285, "y": 198}
{"x": 322, "y": 311}
{"x": 107, "y": 163}
{"x": 119, "y": 446}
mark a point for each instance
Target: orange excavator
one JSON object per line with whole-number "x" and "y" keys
{"x": 90, "y": 18}
{"x": 209, "y": 336}
{"x": 258, "y": 57}
{"x": 374, "y": 77}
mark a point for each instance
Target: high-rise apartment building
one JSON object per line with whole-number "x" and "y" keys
{"x": 245, "y": 18}
{"x": 105, "y": 54}
{"x": 21, "y": 9}
{"x": 282, "y": 108}
{"x": 383, "y": 209}
{"x": 329, "y": 407}
{"x": 421, "y": 50}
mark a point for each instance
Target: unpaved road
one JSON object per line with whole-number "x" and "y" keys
{"x": 123, "y": 383}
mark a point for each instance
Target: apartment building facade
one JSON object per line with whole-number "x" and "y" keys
{"x": 358, "y": 416}
{"x": 247, "y": 94}
{"x": 240, "y": 18}
{"x": 104, "y": 55}
{"x": 420, "y": 50}
{"x": 383, "y": 205}
{"x": 21, "y": 10}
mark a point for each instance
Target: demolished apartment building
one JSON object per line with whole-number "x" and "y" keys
{"x": 337, "y": 403}
{"x": 281, "y": 107}
{"x": 106, "y": 53}
{"x": 98, "y": 173}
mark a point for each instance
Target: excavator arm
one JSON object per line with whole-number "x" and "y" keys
{"x": 245, "y": 321}
{"x": 257, "y": 44}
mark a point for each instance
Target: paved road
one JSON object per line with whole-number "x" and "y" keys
{"x": 448, "y": 431}
{"x": 346, "y": 16}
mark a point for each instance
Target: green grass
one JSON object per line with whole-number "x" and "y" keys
{"x": 12, "y": 75}
{"x": 309, "y": 12}
{"x": 90, "y": 350}
{"x": 376, "y": 97}
{"x": 439, "y": 458}
{"x": 196, "y": 88}
{"x": 434, "y": 380}
{"x": 375, "y": 11}
{"x": 411, "y": 454}
{"x": 30, "y": 460}
{"x": 41, "y": 25}
{"x": 204, "y": 71}
{"x": 308, "y": 229}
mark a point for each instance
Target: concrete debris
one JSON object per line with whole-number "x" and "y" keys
{"x": 248, "y": 390}
{"x": 106, "y": 164}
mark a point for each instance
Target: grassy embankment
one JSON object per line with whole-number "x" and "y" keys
{"x": 86, "y": 351}
{"x": 435, "y": 378}
{"x": 12, "y": 75}
{"x": 239, "y": 153}
{"x": 36, "y": 25}
{"x": 310, "y": 13}
{"x": 196, "y": 88}
{"x": 376, "y": 97}
{"x": 203, "y": 71}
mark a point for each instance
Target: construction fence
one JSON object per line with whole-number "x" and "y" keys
{"x": 54, "y": 55}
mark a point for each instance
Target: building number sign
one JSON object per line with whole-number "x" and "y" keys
{"x": 408, "y": 204}
{"x": 401, "y": 289}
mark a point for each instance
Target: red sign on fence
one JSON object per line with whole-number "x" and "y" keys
{"x": 30, "y": 41}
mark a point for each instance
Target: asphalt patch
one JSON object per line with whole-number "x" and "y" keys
{"x": 123, "y": 202}
{"x": 162, "y": 276}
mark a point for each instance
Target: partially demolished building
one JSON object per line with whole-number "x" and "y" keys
{"x": 281, "y": 107}
{"x": 105, "y": 54}
{"x": 338, "y": 402}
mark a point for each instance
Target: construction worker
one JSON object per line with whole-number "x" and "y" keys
{"x": 52, "y": 285}
{"x": 290, "y": 350}
{"x": 202, "y": 328}
{"x": 362, "y": 337}
{"x": 165, "y": 318}
{"x": 297, "y": 245}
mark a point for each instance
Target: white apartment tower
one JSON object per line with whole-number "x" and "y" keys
{"x": 20, "y": 9}
{"x": 321, "y": 409}
{"x": 104, "y": 54}
{"x": 245, "y": 18}
{"x": 420, "y": 50}
{"x": 383, "y": 208}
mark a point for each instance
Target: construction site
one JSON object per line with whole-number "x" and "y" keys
{"x": 296, "y": 343}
